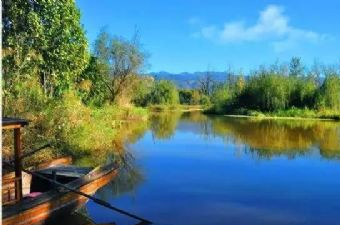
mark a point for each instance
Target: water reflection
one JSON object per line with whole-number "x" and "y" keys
{"x": 281, "y": 137}
{"x": 128, "y": 179}
{"x": 181, "y": 170}
{"x": 163, "y": 124}
{"x": 263, "y": 137}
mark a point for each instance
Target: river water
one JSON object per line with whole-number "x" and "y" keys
{"x": 188, "y": 168}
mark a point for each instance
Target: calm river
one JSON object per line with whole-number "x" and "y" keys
{"x": 193, "y": 169}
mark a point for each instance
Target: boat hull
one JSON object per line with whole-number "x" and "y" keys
{"x": 61, "y": 203}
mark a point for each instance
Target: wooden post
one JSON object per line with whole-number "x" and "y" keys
{"x": 17, "y": 163}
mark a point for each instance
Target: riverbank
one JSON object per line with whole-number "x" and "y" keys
{"x": 278, "y": 117}
{"x": 181, "y": 108}
{"x": 72, "y": 128}
{"x": 293, "y": 114}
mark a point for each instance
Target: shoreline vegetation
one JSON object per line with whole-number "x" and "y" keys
{"x": 280, "y": 117}
{"x": 181, "y": 108}
{"x": 293, "y": 114}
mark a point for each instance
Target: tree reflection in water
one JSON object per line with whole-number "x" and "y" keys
{"x": 269, "y": 138}
{"x": 264, "y": 139}
{"x": 163, "y": 124}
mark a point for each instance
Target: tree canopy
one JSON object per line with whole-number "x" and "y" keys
{"x": 44, "y": 39}
{"x": 124, "y": 60}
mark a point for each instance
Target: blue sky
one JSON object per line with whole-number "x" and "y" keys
{"x": 193, "y": 35}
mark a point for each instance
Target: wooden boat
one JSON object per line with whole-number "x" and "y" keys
{"x": 66, "y": 160}
{"x": 7, "y": 179}
{"x": 51, "y": 201}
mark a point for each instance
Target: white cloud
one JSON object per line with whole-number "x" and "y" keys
{"x": 272, "y": 26}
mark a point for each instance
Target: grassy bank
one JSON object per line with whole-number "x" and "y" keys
{"x": 72, "y": 127}
{"x": 293, "y": 113}
{"x": 181, "y": 108}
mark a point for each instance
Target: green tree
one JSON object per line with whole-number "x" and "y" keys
{"x": 295, "y": 67}
{"x": 303, "y": 92}
{"x": 189, "y": 97}
{"x": 164, "y": 93}
{"x": 92, "y": 83}
{"x": 142, "y": 90}
{"x": 124, "y": 58}
{"x": 266, "y": 92}
{"x": 195, "y": 97}
{"x": 185, "y": 96}
{"x": 43, "y": 38}
{"x": 220, "y": 96}
{"x": 329, "y": 93}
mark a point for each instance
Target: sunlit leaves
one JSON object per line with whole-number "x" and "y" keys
{"x": 43, "y": 38}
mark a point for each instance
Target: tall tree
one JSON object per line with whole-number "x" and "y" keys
{"x": 124, "y": 58}
{"x": 316, "y": 71}
{"x": 43, "y": 38}
{"x": 329, "y": 93}
{"x": 295, "y": 67}
{"x": 206, "y": 83}
{"x": 92, "y": 82}
{"x": 164, "y": 93}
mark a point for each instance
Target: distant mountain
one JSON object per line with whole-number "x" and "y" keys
{"x": 188, "y": 80}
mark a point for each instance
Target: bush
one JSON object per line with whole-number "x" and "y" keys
{"x": 267, "y": 92}
{"x": 328, "y": 95}
{"x": 189, "y": 97}
{"x": 164, "y": 93}
{"x": 72, "y": 127}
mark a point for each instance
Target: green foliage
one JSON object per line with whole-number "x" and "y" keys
{"x": 205, "y": 100}
{"x": 185, "y": 96}
{"x": 220, "y": 97}
{"x": 189, "y": 97}
{"x": 124, "y": 60}
{"x": 303, "y": 92}
{"x": 71, "y": 126}
{"x": 92, "y": 83}
{"x": 43, "y": 39}
{"x": 266, "y": 92}
{"x": 49, "y": 79}
{"x": 163, "y": 125}
{"x": 272, "y": 92}
{"x": 142, "y": 91}
{"x": 329, "y": 93}
{"x": 164, "y": 93}
{"x": 295, "y": 67}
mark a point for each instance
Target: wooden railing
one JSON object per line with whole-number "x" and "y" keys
{"x": 9, "y": 194}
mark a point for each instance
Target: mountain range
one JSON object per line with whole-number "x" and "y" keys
{"x": 188, "y": 80}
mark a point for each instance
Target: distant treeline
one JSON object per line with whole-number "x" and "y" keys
{"x": 280, "y": 87}
{"x": 270, "y": 89}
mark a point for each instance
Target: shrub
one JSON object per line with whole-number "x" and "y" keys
{"x": 164, "y": 93}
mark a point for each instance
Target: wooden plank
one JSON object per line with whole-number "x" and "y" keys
{"x": 7, "y": 121}
{"x": 11, "y": 126}
{"x": 56, "y": 162}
